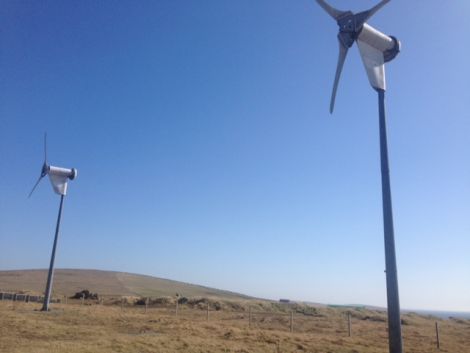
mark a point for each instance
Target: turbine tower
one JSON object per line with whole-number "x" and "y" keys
{"x": 376, "y": 49}
{"x": 59, "y": 178}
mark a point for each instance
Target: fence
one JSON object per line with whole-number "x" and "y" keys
{"x": 27, "y": 298}
{"x": 340, "y": 325}
{"x": 202, "y": 312}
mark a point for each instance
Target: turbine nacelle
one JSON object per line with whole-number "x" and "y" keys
{"x": 58, "y": 176}
{"x": 375, "y": 47}
{"x": 69, "y": 173}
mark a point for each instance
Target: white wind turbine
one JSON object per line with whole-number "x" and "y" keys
{"x": 59, "y": 178}
{"x": 376, "y": 49}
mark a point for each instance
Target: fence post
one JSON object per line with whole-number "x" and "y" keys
{"x": 176, "y": 309}
{"x": 14, "y": 297}
{"x": 146, "y": 304}
{"x": 122, "y": 303}
{"x": 349, "y": 324}
{"x": 207, "y": 317}
{"x": 291, "y": 321}
{"x": 1, "y": 296}
{"x": 83, "y": 299}
{"x": 249, "y": 316}
{"x": 437, "y": 336}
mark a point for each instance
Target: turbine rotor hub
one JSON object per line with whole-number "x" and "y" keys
{"x": 349, "y": 28}
{"x": 45, "y": 170}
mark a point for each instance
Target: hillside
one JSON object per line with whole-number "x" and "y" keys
{"x": 70, "y": 281}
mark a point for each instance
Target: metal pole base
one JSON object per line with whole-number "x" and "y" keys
{"x": 50, "y": 275}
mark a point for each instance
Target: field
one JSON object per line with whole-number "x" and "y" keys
{"x": 204, "y": 320}
{"x": 91, "y": 327}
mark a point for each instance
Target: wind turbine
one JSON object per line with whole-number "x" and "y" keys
{"x": 59, "y": 178}
{"x": 376, "y": 49}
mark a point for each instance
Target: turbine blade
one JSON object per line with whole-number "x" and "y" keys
{"x": 363, "y": 16}
{"x": 335, "y": 13}
{"x": 35, "y": 185}
{"x": 343, "y": 51}
{"x": 45, "y": 147}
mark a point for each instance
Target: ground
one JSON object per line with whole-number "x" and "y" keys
{"x": 91, "y": 327}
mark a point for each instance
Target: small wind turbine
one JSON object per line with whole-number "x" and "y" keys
{"x": 376, "y": 49}
{"x": 59, "y": 178}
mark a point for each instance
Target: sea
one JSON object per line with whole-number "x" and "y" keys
{"x": 442, "y": 314}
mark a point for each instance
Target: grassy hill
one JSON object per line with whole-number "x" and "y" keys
{"x": 68, "y": 282}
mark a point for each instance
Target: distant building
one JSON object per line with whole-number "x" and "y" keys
{"x": 285, "y": 301}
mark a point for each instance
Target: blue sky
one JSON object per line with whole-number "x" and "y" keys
{"x": 206, "y": 152}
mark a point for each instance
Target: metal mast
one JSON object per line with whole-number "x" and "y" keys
{"x": 50, "y": 275}
{"x": 393, "y": 302}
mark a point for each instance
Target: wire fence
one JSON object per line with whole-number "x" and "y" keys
{"x": 203, "y": 310}
{"x": 200, "y": 310}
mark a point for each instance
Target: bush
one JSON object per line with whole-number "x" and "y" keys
{"x": 85, "y": 294}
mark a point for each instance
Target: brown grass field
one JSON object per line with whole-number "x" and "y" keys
{"x": 117, "y": 325}
{"x": 109, "y": 328}
{"x": 70, "y": 281}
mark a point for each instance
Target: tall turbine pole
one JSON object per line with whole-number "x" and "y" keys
{"x": 45, "y": 306}
{"x": 393, "y": 302}
{"x": 376, "y": 49}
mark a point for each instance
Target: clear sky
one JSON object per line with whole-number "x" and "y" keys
{"x": 206, "y": 152}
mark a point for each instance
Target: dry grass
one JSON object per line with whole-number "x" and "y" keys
{"x": 68, "y": 282}
{"x": 97, "y": 328}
